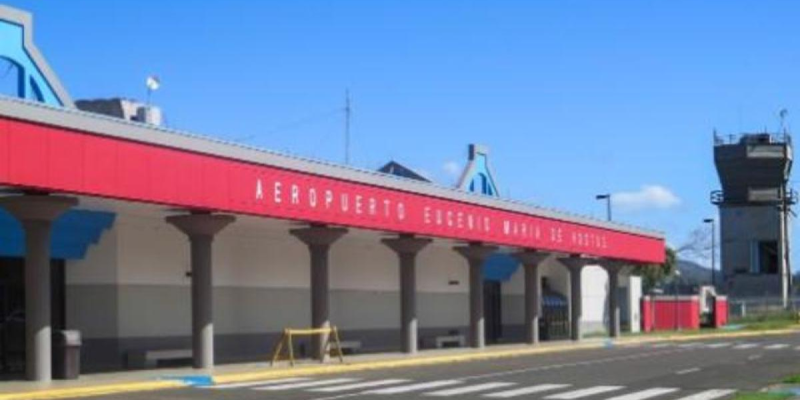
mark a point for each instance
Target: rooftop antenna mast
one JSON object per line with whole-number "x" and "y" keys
{"x": 153, "y": 83}
{"x": 347, "y": 111}
{"x": 782, "y": 115}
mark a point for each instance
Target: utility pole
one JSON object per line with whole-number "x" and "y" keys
{"x": 785, "y": 208}
{"x": 347, "y": 111}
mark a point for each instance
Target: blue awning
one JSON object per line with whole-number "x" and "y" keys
{"x": 553, "y": 299}
{"x": 72, "y": 235}
{"x": 500, "y": 267}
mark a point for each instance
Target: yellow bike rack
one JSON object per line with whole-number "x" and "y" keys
{"x": 289, "y": 333}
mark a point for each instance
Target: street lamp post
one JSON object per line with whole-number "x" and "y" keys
{"x": 607, "y": 198}
{"x": 713, "y": 251}
{"x": 653, "y": 293}
{"x": 677, "y": 309}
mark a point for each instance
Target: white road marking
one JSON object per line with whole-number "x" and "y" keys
{"x": 304, "y": 385}
{"x": 577, "y": 394}
{"x": 689, "y": 345}
{"x": 644, "y": 394}
{"x": 797, "y": 348}
{"x": 257, "y": 383}
{"x": 718, "y": 345}
{"x": 708, "y": 394}
{"x": 341, "y": 396}
{"x": 745, "y": 346}
{"x": 776, "y": 346}
{"x": 687, "y": 371}
{"x": 756, "y": 357}
{"x": 662, "y": 345}
{"x": 526, "y": 390}
{"x": 469, "y": 389}
{"x": 574, "y": 364}
{"x": 362, "y": 385}
{"x": 413, "y": 387}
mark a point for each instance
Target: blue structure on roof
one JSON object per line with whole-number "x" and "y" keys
{"x": 478, "y": 178}
{"x": 33, "y": 78}
{"x": 72, "y": 235}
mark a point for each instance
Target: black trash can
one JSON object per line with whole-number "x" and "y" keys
{"x": 66, "y": 354}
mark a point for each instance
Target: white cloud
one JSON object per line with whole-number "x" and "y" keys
{"x": 452, "y": 168}
{"x": 648, "y": 197}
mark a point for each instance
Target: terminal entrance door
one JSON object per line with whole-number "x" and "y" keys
{"x": 492, "y": 311}
{"x": 12, "y": 312}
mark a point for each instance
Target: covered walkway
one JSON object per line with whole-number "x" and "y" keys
{"x": 55, "y": 159}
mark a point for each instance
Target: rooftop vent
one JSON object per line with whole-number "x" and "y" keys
{"x": 128, "y": 110}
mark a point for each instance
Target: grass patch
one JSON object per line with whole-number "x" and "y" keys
{"x": 761, "y": 396}
{"x": 778, "y": 320}
{"x": 794, "y": 379}
{"x": 765, "y": 317}
{"x": 767, "y": 325}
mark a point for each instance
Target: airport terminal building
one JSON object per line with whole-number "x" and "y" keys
{"x": 148, "y": 240}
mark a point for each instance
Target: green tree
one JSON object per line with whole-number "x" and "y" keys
{"x": 653, "y": 274}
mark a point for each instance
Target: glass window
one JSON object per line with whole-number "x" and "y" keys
{"x": 10, "y": 78}
{"x": 764, "y": 257}
{"x": 768, "y": 257}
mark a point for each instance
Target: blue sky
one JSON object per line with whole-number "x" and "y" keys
{"x": 574, "y": 98}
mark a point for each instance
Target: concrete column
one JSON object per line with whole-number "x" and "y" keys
{"x": 407, "y": 247}
{"x": 201, "y": 229}
{"x": 319, "y": 239}
{"x": 476, "y": 254}
{"x": 613, "y": 269}
{"x": 575, "y": 266}
{"x": 533, "y": 291}
{"x": 36, "y": 214}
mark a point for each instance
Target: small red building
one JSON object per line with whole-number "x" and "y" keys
{"x": 669, "y": 312}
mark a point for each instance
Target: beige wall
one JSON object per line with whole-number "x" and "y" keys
{"x": 136, "y": 277}
{"x": 133, "y": 283}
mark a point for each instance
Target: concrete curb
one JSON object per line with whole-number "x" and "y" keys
{"x": 481, "y": 355}
{"x": 710, "y": 335}
{"x": 91, "y": 391}
{"x": 182, "y": 381}
{"x": 399, "y": 363}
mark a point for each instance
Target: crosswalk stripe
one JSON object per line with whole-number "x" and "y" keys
{"x": 413, "y": 387}
{"x": 708, "y": 394}
{"x": 256, "y": 383}
{"x": 303, "y": 385}
{"x": 662, "y": 345}
{"x": 718, "y": 345}
{"x": 776, "y": 346}
{"x": 526, "y": 390}
{"x": 469, "y": 389}
{"x": 362, "y": 385}
{"x": 797, "y": 348}
{"x": 576, "y": 394}
{"x": 745, "y": 346}
{"x": 644, "y": 394}
{"x": 689, "y": 345}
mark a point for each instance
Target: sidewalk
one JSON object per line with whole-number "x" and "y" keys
{"x": 136, "y": 381}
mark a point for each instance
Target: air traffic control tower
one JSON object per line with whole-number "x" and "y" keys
{"x": 754, "y": 206}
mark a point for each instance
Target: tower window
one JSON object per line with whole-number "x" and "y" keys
{"x": 764, "y": 257}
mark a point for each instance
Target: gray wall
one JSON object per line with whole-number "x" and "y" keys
{"x": 247, "y": 320}
{"x": 739, "y": 227}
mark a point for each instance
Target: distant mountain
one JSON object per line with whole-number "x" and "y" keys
{"x": 693, "y": 273}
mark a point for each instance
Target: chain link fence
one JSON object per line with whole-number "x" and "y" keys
{"x": 761, "y": 307}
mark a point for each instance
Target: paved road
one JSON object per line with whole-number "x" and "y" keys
{"x": 701, "y": 370}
